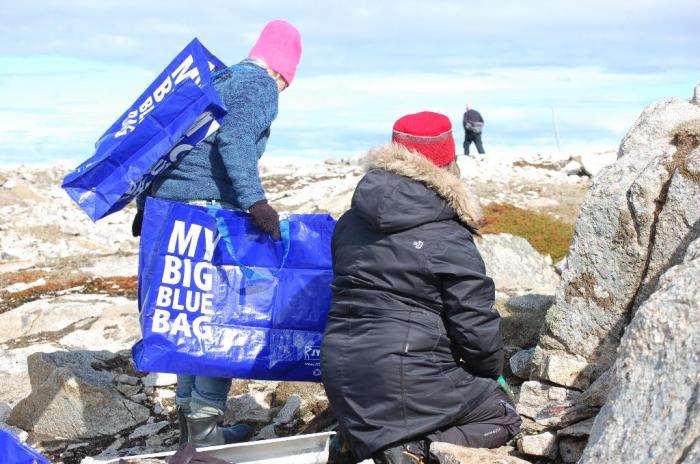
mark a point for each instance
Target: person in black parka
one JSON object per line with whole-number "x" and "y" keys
{"x": 412, "y": 346}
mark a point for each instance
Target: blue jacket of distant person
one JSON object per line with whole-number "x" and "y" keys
{"x": 224, "y": 166}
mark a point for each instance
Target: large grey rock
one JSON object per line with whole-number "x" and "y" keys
{"x": 14, "y": 377}
{"x": 447, "y": 453}
{"x": 653, "y": 412}
{"x": 73, "y": 398}
{"x": 515, "y": 266}
{"x": 74, "y": 321}
{"x": 638, "y": 218}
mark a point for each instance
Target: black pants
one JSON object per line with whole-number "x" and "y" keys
{"x": 475, "y": 137}
{"x": 489, "y": 425}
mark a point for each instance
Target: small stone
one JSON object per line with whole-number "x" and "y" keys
{"x": 116, "y": 444}
{"x": 571, "y": 449}
{"x": 562, "y": 369}
{"x": 155, "y": 441}
{"x": 21, "y": 434}
{"x": 573, "y": 168}
{"x": 253, "y": 407}
{"x": 158, "y": 407}
{"x": 266, "y": 433}
{"x": 76, "y": 446}
{"x": 159, "y": 379}
{"x": 560, "y": 266}
{"x": 448, "y": 453}
{"x": 5, "y": 410}
{"x": 579, "y": 429}
{"x": 148, "y": 390}
{"x": 148, "y": 430}
{"x": 128, "y": 390}
{"x": 139, "y": 397}
{"x": 9, "y": 184}
{"x": 521, "y": 363}
{"x": 551, "y": 406}
{"x": 164, "y": 394}
{"x": 127, "y": 379}
{"x": 288, "y": 411}
{"x": 543, "y": 444}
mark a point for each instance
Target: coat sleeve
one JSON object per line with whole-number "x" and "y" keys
{"x": 250, "y": 115}
{"x": 468, "y": 296}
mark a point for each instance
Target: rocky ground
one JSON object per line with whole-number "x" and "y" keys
{"x": 68, "y": 309}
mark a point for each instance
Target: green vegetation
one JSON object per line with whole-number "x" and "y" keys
{"x": 546, "y": 234}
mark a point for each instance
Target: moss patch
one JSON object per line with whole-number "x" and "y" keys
{"x": 546, "y": 234}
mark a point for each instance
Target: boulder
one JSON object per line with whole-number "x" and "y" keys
{"x": 515, "y": 266}
{"x": 14, "y": 377}
{"x": 72, "y": 399}
{"x": 637, "y": 220}
{"x": 653, "y": 410}
{"x": 73, "y": 321}
{"x": 447, "y": 453}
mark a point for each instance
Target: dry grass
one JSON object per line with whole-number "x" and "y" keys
{"x": 546, "y": 234}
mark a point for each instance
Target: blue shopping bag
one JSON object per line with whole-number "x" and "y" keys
{"x": 221, "y": 299}
{"x": 13, "y": 451}
{"x": 178, "y": 110}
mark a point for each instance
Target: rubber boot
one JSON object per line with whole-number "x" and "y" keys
{"x": 203, "y": 427}
{"x": 206, "y": 431}
{"x": 182, "y": 423}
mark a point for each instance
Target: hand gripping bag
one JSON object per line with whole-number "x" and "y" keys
{"x": 178, "y": 110}
{"x": 12, "y": 450}
{"x": 220, "y": 299}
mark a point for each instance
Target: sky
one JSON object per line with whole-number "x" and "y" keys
{"x": 69, "y": 69}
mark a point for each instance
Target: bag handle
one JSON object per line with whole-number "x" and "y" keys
{"x": 225, "y": 234}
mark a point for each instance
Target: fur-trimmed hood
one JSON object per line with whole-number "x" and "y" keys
{"x": 398, "y": 160}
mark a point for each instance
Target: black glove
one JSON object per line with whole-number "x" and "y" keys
{"x": 266, "y": 218}
{"x": 136, "y": 225}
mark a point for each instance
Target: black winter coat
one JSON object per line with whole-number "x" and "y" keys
{"x": 412, "y": 342}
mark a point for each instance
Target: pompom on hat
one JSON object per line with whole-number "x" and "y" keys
{"x": 427, "y": 133}
{"x": 279, "y": 46}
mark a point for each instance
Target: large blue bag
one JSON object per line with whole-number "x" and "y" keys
{"x": 13, "y": 451}
{"x": 218, "y": 298}
{"x": 178, "y": 110}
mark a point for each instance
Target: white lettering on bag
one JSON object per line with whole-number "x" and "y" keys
{"x": 186, "y": 284}
{"x": 185, "y": 70}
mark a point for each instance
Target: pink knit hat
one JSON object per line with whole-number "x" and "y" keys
{"x": 279, "y": 45}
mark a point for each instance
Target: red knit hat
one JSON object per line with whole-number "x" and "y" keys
{"x": 428, "y": 133}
